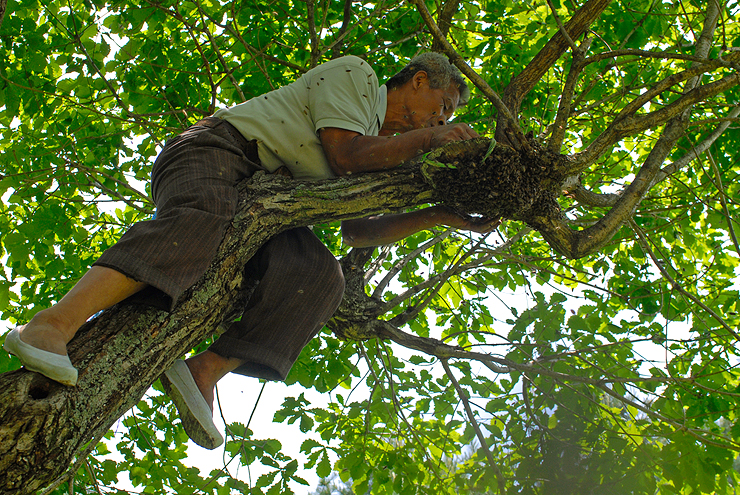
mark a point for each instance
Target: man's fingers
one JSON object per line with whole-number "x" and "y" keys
{"x": 466, "y": 132}
{"x": 471, "y": 133}
{"x": 487, "y": 225}
{"x": 454, "y": 132}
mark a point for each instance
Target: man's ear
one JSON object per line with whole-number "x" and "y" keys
{"x": 419, "y": 78}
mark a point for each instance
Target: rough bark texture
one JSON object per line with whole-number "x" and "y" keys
{"x": 44, "y": 425}
{"x": 3, "y": 8}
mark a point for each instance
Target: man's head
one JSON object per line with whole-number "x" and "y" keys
{"x": 424, "y": 94}
{"x": 440, "y": 73}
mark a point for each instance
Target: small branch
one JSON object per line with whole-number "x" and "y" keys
{"x": 440, "y": 279}
{"x": 691, "y": 431}
{"x": 577, "y": 244}
{"x": 626, "y": 124}
{"x": 478, "y": 433}
{"x": 257, "y": 52}
{"x": 698, "y": 149}
{"x": 584, "y": 196}
{"x": 346, "y": 17}
{"x": 143, "y": 196}
{"x": 399, "y": 41}
{"x": 523, "y": 83}
{"x": 660, "y": 265}
{"x": 410, "y": 256}
{"x": 562, "y": 29}
{"x": 642, "y": 54}
{"x": 92, "y": 477}
{"x": 314, "y": 39}
{"x": 723, "y": 200}
{"x": 191, "y": 32}
{"x": 566, "y": 99}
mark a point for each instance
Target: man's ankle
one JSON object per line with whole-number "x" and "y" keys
{"x": 64, "y": 327}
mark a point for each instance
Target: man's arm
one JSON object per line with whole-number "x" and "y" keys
{"x": 350, "y": 152}
{"x": 386, "y": 229}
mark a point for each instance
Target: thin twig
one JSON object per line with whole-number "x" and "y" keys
{"x": 660, "y": 265}
{"x": 406, "y": 260}
{"x": 377, "y": 263}
{"x": 723, "y": 200}
{"x": 474, "y": 423}
{"x": 217, "y": 49}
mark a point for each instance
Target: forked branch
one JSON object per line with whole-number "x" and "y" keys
{"x": 522, "y": 84}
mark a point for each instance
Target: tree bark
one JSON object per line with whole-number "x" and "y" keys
{"x": 3, "y": 8}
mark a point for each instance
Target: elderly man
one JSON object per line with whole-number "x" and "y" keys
{"x": 334, "y": 120}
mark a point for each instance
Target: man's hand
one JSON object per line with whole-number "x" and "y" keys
{"x": 387, "y": 229}
{"x": 450, "y": 218}
{"x": 444, "y": 134}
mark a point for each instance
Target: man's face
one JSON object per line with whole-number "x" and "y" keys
{"x": 429, "y": 107}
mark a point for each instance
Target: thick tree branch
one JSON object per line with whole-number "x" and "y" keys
{"x": 44, "y": 425}
{"x": 522, "y": 84}
{"x": 577, "y": 244}
{"x": 590, "y": 198}
{"x": 444, "y": 21}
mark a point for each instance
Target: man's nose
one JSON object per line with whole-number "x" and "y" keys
{"x": 439, "y": 120}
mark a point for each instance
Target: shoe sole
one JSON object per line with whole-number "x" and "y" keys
{"x": 194, "y": 412}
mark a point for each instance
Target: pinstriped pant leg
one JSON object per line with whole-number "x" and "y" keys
{"x": 301, "y": 285}
{"x": 194, "y": 187}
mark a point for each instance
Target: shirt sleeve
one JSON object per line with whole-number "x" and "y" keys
{"x": 344, "y": 96}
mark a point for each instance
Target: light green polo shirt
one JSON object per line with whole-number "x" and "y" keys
{"x": 342, "y": 93}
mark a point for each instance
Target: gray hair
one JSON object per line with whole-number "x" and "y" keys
{"x": 439, "y": 71}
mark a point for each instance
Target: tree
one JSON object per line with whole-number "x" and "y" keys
{"x": 617, "y": 375}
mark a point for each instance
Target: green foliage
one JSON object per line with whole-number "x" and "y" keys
{"x": 615, "y": 373}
